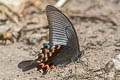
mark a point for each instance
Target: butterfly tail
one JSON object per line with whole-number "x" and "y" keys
{"x": 27, "y": 65}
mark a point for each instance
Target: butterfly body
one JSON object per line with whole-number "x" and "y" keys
{"x": 63, "y": 46}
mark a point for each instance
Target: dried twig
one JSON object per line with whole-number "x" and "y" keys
{"x": 34, "y": 28}
{"x": 103, "y": 18}
{"x": 60, "y": 3}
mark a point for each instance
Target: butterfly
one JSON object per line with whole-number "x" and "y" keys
{"x": 63, "y": 46}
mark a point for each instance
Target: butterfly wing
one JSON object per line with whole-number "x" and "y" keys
{"x": 61, "y": 29}
{"x": 61, "y": 32}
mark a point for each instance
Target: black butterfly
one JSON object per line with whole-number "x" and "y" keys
{"x": 63, "y": 46}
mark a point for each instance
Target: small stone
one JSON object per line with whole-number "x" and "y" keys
{"x": 113, "y": 65}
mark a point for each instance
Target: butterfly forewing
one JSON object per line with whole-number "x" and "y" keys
{"x": 57, "y": 27}
{"x": 61, "y": 29}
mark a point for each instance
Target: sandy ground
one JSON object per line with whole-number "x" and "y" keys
{"x": 96, "y": 37}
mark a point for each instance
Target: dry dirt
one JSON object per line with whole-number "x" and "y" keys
{"x": 98, "y": 38}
